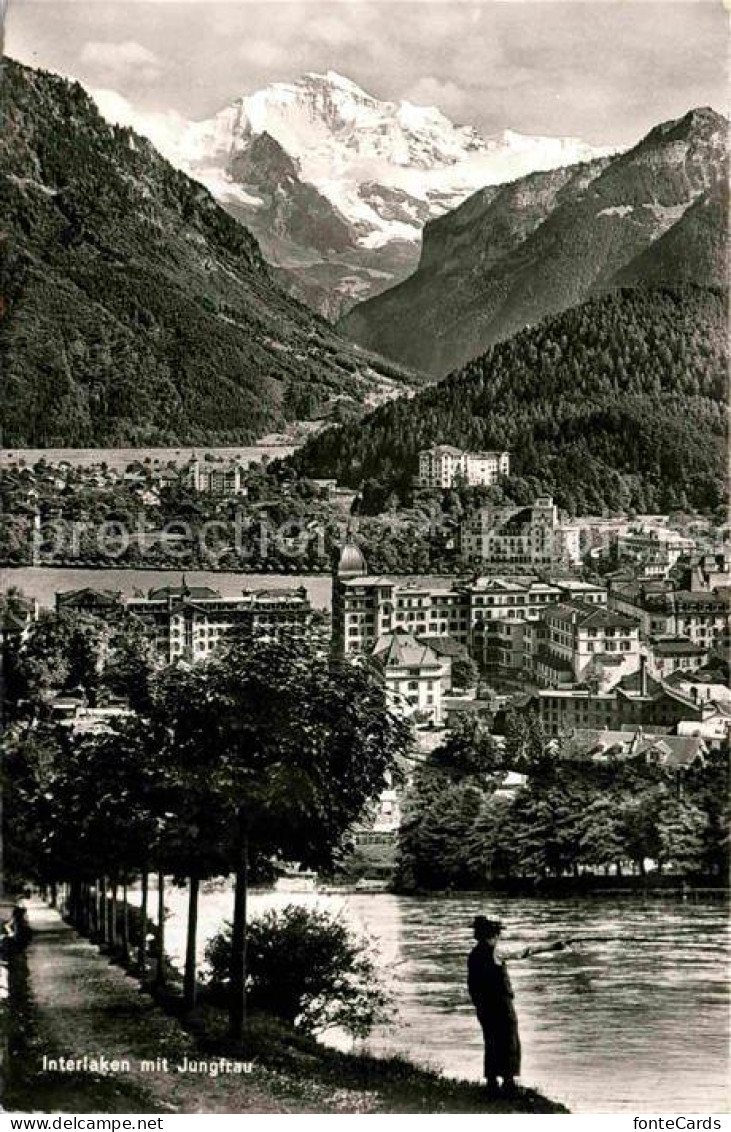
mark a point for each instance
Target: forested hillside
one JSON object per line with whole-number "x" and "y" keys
{"x": 134, "y": 309}
{"x": 618, "y": 403}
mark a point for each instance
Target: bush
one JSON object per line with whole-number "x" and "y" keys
{"x": 305, "y": 967}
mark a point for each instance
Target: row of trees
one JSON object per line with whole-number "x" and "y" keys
{"x": 462, "y": 829}
{"x": 268, "y": 751}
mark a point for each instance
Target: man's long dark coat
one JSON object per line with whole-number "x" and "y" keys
{"x": 490, "y": 990}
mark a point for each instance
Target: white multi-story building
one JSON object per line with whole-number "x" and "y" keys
{"x": 582, "y": 643}
{"x": 662, "y": 611}
{"x": 444, "y": 466}
{"x": 190, "y": 622}
{"x": 215, "y": 478}
{"x": 416, "y": 678}
{"x": 366, "y": 607}
{"x": 524, "y": 538}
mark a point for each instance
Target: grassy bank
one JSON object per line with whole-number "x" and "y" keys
{"x": 67, "y": 999}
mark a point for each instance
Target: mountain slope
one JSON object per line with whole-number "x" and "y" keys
{"x": 381, "y": 168}
{"x": 135, "y": 309}
{"x": 616, "y": 403}
{"x": 583, "y": 228}
{"x": 693, "y": 250}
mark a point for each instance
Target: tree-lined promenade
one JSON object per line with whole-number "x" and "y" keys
{"x": 69, "y": 1000}
{"x": 266, "y": 752}
{"x": 269, "y": 751}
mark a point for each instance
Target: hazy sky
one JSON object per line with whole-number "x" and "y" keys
{"x": 604, "y": 70}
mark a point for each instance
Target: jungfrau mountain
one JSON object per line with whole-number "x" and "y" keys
{"x": 512, "y": 254}
{"x": 337, "y": 184}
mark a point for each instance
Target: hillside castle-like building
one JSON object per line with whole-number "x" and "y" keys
{"x": 519, "y": 538}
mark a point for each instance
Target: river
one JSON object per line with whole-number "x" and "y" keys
{"x": 120, "y": 458}
{"x": 635, "y": 1021}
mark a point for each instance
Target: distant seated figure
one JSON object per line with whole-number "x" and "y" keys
{"x": 20, "y": 928}
{"x": 7, "y": 941}
{"x": 490, "y": 990}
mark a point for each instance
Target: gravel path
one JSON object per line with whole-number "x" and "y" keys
{"x": 81, "y": 1005}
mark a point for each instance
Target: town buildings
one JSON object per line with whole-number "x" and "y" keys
{"x": 444, "y": 466}
{"x": 583, "y": 643}
{"x": 525, "y": 539}
{"x": 701, "y": 617}
{"x": 667, "y": 655}
{"x": 188, "y": 622}
{"x": 655, "y": 549}
{"x": 707, "y": 572}
{"x": 673, "y": 753}
{"x": 365, "y": 607}
{"x": 637, "y": 699}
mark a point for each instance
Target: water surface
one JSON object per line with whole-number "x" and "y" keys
{"x": 634, "y": 1020}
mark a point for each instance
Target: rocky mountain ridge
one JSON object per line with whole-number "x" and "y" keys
{"x": 510, "y": 255}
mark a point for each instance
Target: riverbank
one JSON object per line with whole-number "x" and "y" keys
{"x": 70, "y": 1001}
{"x": 651, "y": 886}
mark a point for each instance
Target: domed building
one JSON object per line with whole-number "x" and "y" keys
{"x": 352, "y": 563}
{"x": 349, "y": 565}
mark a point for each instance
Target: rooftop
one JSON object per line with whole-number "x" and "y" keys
{"x": 415, "y": 583}
{"x": 402, "y": 650}
{"x": 667, "y": 750}
{"x": 445, "y": 646}
{"x": 590, "y": 616}
{"x": 194, "y": 593}
{"x": 677, "y": 646}
{"x": 441, "y": 450}
{"x": 101, "y": 597}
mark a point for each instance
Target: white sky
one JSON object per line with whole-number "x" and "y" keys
{"x": 603, "y": 70}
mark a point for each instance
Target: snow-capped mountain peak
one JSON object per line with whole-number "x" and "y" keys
{"x": 382, "y": 167}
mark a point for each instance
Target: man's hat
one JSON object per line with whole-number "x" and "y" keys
{"x": 481, "y": 925}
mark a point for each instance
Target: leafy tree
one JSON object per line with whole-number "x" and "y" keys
{"x": 294, "y": 789}
{"x": 601, "y": 839}
{"x": 681, "y": 829}
{"x": 63, "y": 650}
{"x": 465, "y": 672}
{"x": 305, "y": 967}
{"x": 491, "y": 844}
{"x": 637, "y": 814}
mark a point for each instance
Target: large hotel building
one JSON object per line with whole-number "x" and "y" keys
{"x": 366, "y": 606}
{"x": 189, "y": 622}
{"x": 444, "y": 466}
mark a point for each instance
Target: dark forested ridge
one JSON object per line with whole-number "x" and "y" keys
{"x": 510, "y": 256}
{"x": 134, "y": 309}
{"x": 618, "y": 403}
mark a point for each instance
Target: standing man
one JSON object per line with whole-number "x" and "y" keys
{"x": 492, "y": 995}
